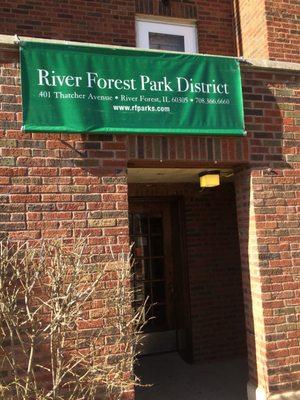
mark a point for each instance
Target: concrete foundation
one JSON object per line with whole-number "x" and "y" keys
{"x": 256, "y": 393}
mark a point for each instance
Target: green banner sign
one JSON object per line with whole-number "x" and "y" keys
{"x": 105, "y": 89}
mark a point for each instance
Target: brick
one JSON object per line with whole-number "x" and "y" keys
{"x": 101, "y": 222}
{"x": 87, "y": 197}
{"x": 25, "y": 198}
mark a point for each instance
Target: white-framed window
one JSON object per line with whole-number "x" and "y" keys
{"x": 166, "y": 35}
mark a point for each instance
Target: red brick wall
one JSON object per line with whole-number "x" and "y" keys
{"x": 251, "y": 28}
{"x": 276, "y": 208}
{"x": 268, "y": 211}
{"x": 64, "y": 186}
{"x": 264, "y": 29}
{"x": 272, "y": 125}
{"x": 57, "y": 185}
{"x": 112, "y": 22}
{"x": 283, "y": 30}
{"x": 215, "y": 275}
{"x": 254, "y": 314}
{"x": 60, "y": 184}
{"x": 107, "y": 22}
{"x": 268, "y": 29}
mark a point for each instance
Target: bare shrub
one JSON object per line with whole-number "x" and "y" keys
{"x": 67, "y": 329}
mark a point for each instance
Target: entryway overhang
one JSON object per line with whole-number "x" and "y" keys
{"x": 174, "y": 175}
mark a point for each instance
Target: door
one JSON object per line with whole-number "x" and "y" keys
{"x": 158, "y": 265}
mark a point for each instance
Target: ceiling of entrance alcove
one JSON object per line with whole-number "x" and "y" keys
{"x": 172, "y": 175}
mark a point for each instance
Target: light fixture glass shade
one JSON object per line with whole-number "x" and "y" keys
{"x": 209, "y": 180}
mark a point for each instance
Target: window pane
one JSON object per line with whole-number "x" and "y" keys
{"x": 163, "y": 41}
{"x": 157, "y": 247}
{"x": 138, "y": 224}
{"x": 157, "y": 265}
{"x": 156, "y": 227}
{"x": 158, "y": 289}
{"x": 141, "y": 270}
{"x": 140, "y": 246}
{"x": 142, "y": 292}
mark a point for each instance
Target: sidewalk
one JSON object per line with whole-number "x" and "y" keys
{"x": 173, "y": 379}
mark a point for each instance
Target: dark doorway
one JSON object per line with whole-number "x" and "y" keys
{"x": 205, "y": 291}
{"x": 158, "y": 251}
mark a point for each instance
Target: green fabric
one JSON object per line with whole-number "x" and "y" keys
{"x": 104, "y": 89}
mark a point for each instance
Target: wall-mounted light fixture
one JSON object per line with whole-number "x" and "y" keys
{"x": 209, "y": 179}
